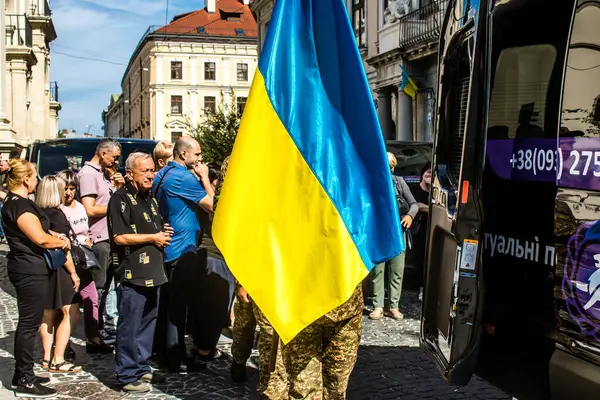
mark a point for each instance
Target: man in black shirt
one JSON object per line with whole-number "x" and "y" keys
{"x": 137, "y": 240}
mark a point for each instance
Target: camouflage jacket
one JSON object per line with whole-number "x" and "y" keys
{"x": 349, "y": 309}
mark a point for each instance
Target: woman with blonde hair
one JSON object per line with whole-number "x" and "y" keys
{"x": 80, "y": 229}
{"x": 27, "y": 230}
{"x": 62, "y": 294}
{"x": 407, "y": 208}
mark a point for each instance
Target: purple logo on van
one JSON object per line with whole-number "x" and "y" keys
{"x": 581, "y": 282}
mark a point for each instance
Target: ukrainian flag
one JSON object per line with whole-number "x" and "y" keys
{"x": 408, "y": 85}
{"x": 308, "y": 207}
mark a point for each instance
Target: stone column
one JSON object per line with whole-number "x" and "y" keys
{"x": 405, "y": 117}
{"x": 160, "y": 126}
{"x": 3, "y": 92}
{"x": 159, "y": 70}
{"x": 193, "y": 71}
{"x": 18, "y": 77}
{"x": 384, "y": 110}
{"x": 193, "y": 106}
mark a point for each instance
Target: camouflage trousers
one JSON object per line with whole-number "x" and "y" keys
{"x": 321, "y": 358}
{"x": 244, "y": 326}
{"x": 247, "y": 315}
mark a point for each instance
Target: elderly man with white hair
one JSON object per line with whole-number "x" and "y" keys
{"x": 138, "y": 239}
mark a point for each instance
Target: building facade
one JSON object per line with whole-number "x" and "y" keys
{"x": 178, "y": 73}
{"x": 29, "y": 103}
{"x": 408, "y": 33}
{"x": 391, "y": 33}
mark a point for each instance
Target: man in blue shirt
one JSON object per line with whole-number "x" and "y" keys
{"x": 181, "y": 188}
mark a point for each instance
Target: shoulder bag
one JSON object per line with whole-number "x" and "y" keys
{"x": 55, "y": 258}
{"x": 83, "y": 255}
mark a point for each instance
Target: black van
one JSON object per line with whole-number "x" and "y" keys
{"x": 55, "y": 155}
{"x": 512, "y": 288}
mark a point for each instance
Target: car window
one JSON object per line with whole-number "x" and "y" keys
{"x": 411, "y": 161}
{"x": 54, "y": 157}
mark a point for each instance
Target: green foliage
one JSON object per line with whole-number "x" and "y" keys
{"x": 217, "y": 131}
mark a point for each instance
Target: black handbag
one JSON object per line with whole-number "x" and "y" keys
{"x": 55, "y": 258}
{"x": 83, "y": 255}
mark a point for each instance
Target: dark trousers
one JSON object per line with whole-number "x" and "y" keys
{"x": 215, "y": 292}
{"x": 179, "y": 302}
{"x": 31, "y": 298}
{"x": 103, "y": 277}
{"x": 138, "y": 309}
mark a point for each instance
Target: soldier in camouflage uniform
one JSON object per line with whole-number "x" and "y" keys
{"x": 271, "y": 385}
{"x": 247, "y": 315}
{"x": 320, "y": 359}
{"x": 244, "y": 326}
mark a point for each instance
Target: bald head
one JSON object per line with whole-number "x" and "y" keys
{"x": 187, "y": 152}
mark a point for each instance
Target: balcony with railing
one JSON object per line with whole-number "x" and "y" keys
{"x": 18, "y": 30}
{"x": 40, "y": 8}
{"x": 54, "y": 91}
{"x": 422, "y": 25}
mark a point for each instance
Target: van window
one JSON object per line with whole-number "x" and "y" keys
{"x": 581, "y": 98}
{"x": 52, "y": 157}
{"x": 520, "y": 88}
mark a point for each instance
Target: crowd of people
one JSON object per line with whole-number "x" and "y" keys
{"x": 136, "y": 254}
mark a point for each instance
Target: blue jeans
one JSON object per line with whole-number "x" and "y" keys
{"x": 111, "y": 309}
{"x": 138, "y": 307}
{"x": 105, "y": 283}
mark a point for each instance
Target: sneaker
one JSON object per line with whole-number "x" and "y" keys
{"x": 137, "y": 387}
{"x": 42, "y": 380}
{"x": 33, "y": 390}
{"x": 154, "y": 378}
{"x": 238, "y": 372}
{"x": 376, "y": 314}
{"x": 98, "y": 348}
{"x": 108, "y": 337}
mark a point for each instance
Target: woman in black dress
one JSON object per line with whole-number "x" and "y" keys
{"x": 64, "y": 284}
{"x": 27, "y": 232}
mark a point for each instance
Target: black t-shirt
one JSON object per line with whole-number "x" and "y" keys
{"x": 58, "y": 221}
{"x": 130, "y": 213}
{"x": 419, "y": 194}
{"x": 419, "y": 228}
{"x": 24, "y": 257}
{"x": 207, "y": 241}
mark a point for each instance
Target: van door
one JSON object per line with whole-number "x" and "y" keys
{"x": 451, "y": 317}
{"x": 575, "y": 365}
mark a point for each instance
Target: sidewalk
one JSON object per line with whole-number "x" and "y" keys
{"x": 390, "y": 365}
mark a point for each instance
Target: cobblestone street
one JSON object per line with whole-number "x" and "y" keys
{"x": 390, "y": 365}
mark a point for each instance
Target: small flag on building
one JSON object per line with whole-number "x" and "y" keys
{"x": 307, "y": 208}
{"x": 408, "y": 85}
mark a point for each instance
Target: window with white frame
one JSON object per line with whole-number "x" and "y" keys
{"x": 176, "y": 105}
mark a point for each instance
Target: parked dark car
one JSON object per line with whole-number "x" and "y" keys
{"x": 55, "y": 155}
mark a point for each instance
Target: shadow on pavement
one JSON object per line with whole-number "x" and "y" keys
{"x": 407, "y": 373}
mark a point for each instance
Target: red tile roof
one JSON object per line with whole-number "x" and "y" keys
{"x": 216, "y": 24}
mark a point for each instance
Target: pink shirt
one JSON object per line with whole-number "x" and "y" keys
{"x": 93, "y": 182}
{"x": 78, "y": 219}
